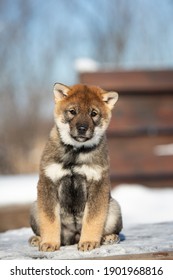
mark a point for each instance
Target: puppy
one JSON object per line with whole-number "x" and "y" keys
{"x": 74, "y": 204}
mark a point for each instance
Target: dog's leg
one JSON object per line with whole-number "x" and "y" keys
{"x": 49, "y": 221}
{"x": 93, "y": 221}
{"x": 91, "y": 233}
{"x": 50, "y": 231}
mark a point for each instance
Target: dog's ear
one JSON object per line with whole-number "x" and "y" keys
{"x": 110, "y": 98}
{"x": 60, "y": 91}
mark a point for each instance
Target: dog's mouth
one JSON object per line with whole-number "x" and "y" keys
{"x": 81, "y": 138}
{"x": 81, "y": 135}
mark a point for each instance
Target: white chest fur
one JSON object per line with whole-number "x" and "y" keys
{"x": 91, "y": 172}
{"x": 55, "y": 171}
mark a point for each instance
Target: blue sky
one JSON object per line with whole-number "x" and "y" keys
{"x": 46, "y": 42}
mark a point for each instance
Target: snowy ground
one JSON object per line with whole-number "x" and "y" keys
{"x": 147, "y": 215}
{"x": 136, "y": 240}
{"x": 139, "y": 204}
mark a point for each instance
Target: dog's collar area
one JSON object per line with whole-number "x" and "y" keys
{"x": 84, "y": 149}
{"x": 81, "y": 149}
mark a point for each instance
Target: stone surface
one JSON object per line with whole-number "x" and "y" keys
{"x": 138, "y": 239}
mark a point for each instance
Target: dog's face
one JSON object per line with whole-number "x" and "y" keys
{"x": 82, "y": 113}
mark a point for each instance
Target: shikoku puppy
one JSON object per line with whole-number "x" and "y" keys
{"x": 74, "y": 204}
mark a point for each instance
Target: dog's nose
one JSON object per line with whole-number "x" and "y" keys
{"x": 82, "y": 128}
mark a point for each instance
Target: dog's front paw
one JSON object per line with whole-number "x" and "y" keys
{"x": 49, "y": 246}
{"x": 88, "y": 245}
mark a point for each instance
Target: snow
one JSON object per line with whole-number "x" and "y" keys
{"x": 135, "y": 240}
{"x": 17, "y": 189}
{"x": 139, "y": 204}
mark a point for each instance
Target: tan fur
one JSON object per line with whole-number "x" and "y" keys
{"x": 92, "y": 229}
{"x": 50, "y": 232}
{"x": 74, "y": 202}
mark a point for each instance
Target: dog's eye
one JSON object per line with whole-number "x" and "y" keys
{"x": 73, "y": 112}
{"x": 94, "y": 113}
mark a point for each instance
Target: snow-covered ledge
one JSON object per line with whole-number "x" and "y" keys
{"x": 145, "y": 238}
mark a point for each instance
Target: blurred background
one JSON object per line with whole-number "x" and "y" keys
{"x": 116, "y": 44}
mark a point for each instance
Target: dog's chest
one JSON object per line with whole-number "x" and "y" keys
{"x": 72, "y": 172}
{"x": 73, "y": 186}
{"x": 72, "y": 194}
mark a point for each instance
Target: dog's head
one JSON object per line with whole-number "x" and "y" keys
{"x": 82, "y": 113}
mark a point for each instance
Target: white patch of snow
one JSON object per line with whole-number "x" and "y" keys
{"x": 18, "y": 189}
{"x": 141, "y": 205}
